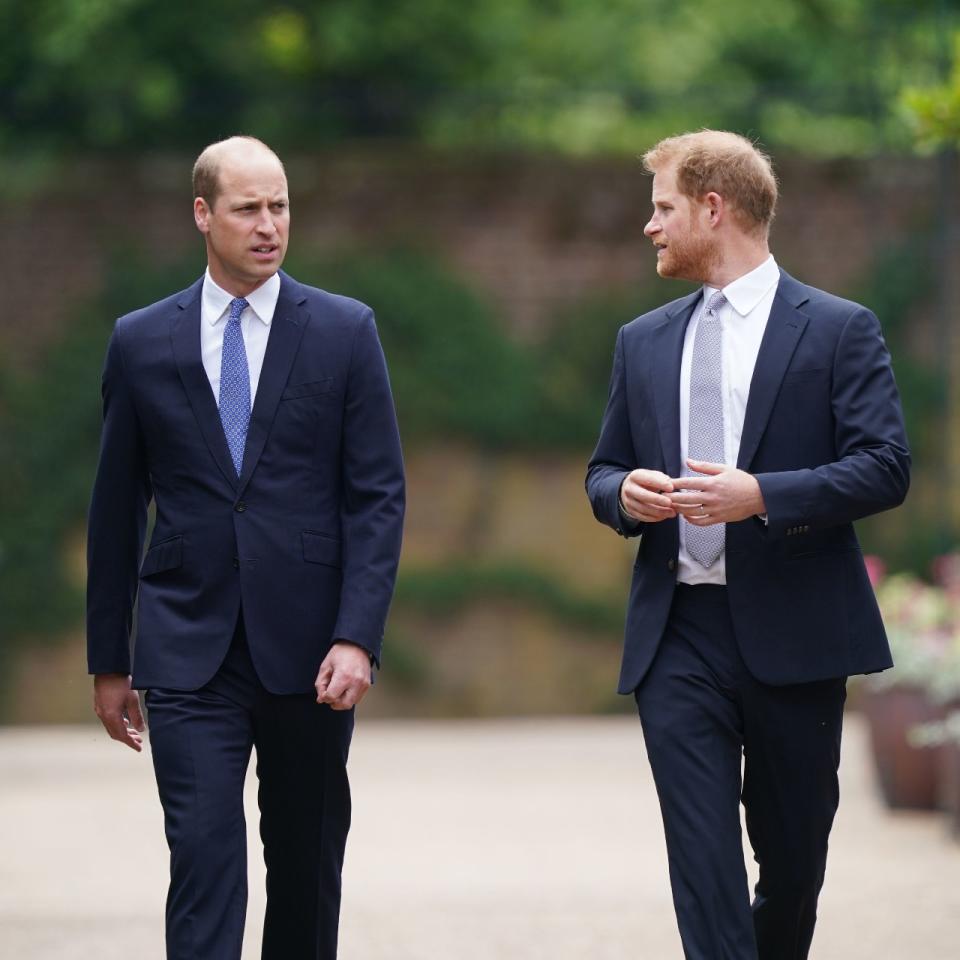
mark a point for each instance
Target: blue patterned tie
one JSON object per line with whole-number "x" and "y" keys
{"x": 705, "y": 434}
{"x": 235, "y": 385}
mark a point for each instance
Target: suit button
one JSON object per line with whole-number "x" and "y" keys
{"x": 240, "y": 507}
{"x": 236, "y": 564}
{"x": 671, "y": 564}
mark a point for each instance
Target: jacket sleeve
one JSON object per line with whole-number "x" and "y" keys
{"x": 614, "y": 456}
{"x": 117, "y": 521}
{"x": 872, "y": 469}
{"x": 374, "y": 495}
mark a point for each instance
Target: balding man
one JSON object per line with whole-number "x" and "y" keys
{"x": 748, "y": 425}
{"x": 255, "y": 412}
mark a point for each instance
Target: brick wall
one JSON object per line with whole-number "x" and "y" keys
{"x": 530, "y": 232}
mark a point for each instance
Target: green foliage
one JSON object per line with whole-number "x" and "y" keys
{"x": 408, "y": 668}
{"x": 454, "y": 373}
{"x": 899, "y": 282}
{"x": 439, "y": 593}
{"x": 49, "y": 430}
{"x": 934, "y": 110}
{"x": 445, "y": 591}
{"x": 131, "y": 74}
{"x": 575, "y": 359}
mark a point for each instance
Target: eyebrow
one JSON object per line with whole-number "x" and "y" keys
{"x": 255, "y": 201}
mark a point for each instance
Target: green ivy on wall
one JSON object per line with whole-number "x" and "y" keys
{"x": 456, "y": 373}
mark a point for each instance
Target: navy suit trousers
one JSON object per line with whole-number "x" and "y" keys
{"x": 705, "y": 718}
{"x": 201, "y": 742}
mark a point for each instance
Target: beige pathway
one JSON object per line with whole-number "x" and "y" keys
{"x": 522, "y": 840}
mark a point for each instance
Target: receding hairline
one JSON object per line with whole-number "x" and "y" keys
{"x": 749, "y": 170}
{"x": 206, "y": 169}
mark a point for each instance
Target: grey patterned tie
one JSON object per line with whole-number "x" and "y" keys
{"x": 705, "y": 434}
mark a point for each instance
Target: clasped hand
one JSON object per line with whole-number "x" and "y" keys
{"x": 715, "y": 493}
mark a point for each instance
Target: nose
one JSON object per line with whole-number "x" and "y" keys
{"x": 652, "y": 227}
{"x": 265, "y": 224}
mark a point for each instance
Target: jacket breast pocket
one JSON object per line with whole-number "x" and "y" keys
{"x": 806, "y": 376}
{"x": 162, "y": 556}
{"x": 319, "y": 548}
{"x": 313, "y": 388}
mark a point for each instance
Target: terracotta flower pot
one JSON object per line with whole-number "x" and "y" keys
{"x": 909, "y": 776}
{"x": 950, "y": 785}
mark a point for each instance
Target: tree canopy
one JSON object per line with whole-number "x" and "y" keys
{"x": 816, "y": 75}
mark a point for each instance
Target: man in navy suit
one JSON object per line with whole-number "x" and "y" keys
{"x": 747, "y": 426}
{"x": 255, "y": 412}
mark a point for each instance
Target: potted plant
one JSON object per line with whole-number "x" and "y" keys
{"x": 920, "y": 619}
{"x": 943, "y": 736}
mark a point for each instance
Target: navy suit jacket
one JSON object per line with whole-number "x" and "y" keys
{"x": 823, "y": 434}
{"x": 306, "y": 540}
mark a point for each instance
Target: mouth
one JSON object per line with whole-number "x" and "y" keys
{"x": 264, "y": 251}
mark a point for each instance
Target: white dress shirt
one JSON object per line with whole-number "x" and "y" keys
{"x": 254, "y": 324}
{"x": 744, "y": 319}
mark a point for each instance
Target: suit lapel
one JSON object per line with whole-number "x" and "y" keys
{"x": 185, "y": 334}
{"x": 286, "y": 330}
{"x": 666, "y": 355}
{"x": 784, "y": 329}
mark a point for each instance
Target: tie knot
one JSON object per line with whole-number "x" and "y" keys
{"x": 716, "y": 302}
{"x": 237, "y": 306}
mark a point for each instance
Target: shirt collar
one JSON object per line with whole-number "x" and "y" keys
{"x": 263, "y": 300}
{"x": 746, "y": 292}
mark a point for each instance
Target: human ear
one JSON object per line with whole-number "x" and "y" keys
{"x": 201, "y": 214}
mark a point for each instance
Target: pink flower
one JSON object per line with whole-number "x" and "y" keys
{"x": 876, "y": 569}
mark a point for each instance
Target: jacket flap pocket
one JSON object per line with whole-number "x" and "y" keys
{"x": 806, "y": 373}
{"x": 319, "y": 548}
{"x": 165, "y": 555}
{"x": 311, "y": 389}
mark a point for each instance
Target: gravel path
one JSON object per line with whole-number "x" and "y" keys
{"x": 522, "y": 840}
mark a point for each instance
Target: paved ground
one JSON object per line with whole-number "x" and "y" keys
{"x": 521, "y": 840}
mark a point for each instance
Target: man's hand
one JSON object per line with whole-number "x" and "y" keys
{"x": 643, "y": 496}
{"x": 118, "y": 708}
{"x": 344, "y": 676}
{"x": 721, "y": 495}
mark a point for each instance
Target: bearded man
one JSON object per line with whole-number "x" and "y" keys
{"x": 747, "y": 426}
